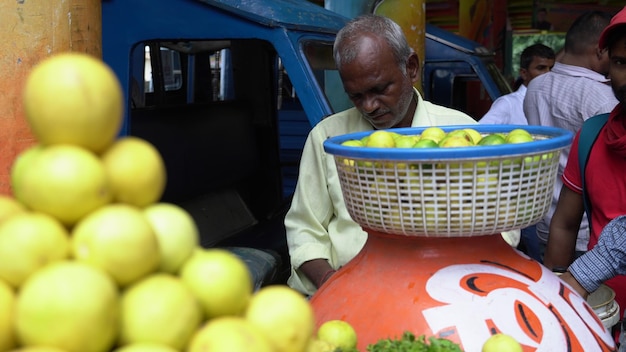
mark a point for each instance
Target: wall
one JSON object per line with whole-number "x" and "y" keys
{"x": 34, "y": 30}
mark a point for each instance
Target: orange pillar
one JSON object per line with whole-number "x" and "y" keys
{"x": 411, "y": 16}
{"x": 33, "y": 31}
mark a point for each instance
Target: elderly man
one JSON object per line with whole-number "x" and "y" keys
{"x": 378, "y": 70}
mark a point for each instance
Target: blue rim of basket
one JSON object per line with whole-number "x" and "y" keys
{"x": 555, "y": 139}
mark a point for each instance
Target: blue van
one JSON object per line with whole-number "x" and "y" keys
{"x": 228, "y": 90}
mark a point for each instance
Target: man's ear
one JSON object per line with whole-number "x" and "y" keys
{"x": 413, "y": 67}
{"x": 599, "y": 53}
{"x": 523, "y": 73}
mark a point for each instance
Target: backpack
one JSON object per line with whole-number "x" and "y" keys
{"x": 588, "y": 135}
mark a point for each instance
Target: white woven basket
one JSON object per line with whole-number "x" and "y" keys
{"x": 450, "y": 192}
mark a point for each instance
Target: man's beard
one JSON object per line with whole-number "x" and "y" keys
{"x": 620, "y": 94}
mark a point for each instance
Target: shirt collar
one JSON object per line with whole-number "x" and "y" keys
{"x": 578, "y": 71}
{"x": 420, "y": 109}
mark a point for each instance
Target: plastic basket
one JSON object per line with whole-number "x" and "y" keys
{"x": 450, "y": 192}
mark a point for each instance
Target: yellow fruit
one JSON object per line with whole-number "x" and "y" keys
{"x": 28, "y": 241}
{"x": 145, "y": 347}
{"x": 64, "y": 181}
{"x": 501, "y": 343}
{"x": 20, "y": 164}
{"x": 284, "y": 316}
{"x": 518, "y": 135}
{"x": 455, "y": 141}
{"x": 475, "y": 135}
{"x": 118, "y": 239}
{"x": 433, "y": 133}
{"x": 159, "y": 309}
{"x": 406, "y": 141}
{"x": 381, "y": 139}
{"x": 220, "y": 280}
{"x": 38, "y": 349}
{"x": 353, "y": 143}
{"x": 7, "y": 305}
{"x": 74, "y": 98}
{"x": 338, "y": 333}
{"x": 229, "y": 333}
{"x": 136, "y": 171}
{"x": 68, "y": 305}
{"x": 176, "y": 232}
{"x": 518, "y": 138}
{"x": 9, "y": 206}
{"x": 317, "y": 345}
{"x": 460, "y": 133}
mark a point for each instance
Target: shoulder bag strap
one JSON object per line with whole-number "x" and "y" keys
{"x": 588, "y": 134}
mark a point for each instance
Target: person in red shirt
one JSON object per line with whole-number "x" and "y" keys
{"x": 605, "y": 177}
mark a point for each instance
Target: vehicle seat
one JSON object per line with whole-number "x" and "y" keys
{"x": 212, "y": 160}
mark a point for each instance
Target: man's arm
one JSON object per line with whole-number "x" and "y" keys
{"x": 564, "y": 229}
{"x": 317, "y": 271}
{"x": 569, "y": 279}
{"x": 307, "y": 220}
{"x": 606, "y": 260}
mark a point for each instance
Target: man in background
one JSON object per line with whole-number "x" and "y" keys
{"x": 575, "y": 89}
{"x": 542, "y": 22}
{"x": 605, "y": 186}
{"x": 535, "y": 60}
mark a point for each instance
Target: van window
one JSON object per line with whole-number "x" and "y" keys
{"x": 457, "y": 85}
{"x": 170, "y": 69}
{"x": 319, "y": 55}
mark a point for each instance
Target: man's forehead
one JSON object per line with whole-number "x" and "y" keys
{"x": 369, "y": 41}
{"x": 540, "y": 59}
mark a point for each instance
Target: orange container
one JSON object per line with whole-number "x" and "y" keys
{"x": 461, "y": 288}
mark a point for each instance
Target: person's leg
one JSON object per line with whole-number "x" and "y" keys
{"x": 532, "y": 244}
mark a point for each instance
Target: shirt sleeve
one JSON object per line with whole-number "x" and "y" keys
{"x": 531, "y": 105}
{"x": 311, "y": 209}
{"x": 571, "y": 175}
{"x": 604, "y": 261}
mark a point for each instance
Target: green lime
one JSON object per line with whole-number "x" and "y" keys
{"x": 492, "y": 139}
{"x": 426, "y": 143}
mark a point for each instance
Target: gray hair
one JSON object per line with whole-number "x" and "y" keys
{"x": 346, "y": 48}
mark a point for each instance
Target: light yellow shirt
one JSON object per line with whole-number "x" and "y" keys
{"x": 318, "y": 223}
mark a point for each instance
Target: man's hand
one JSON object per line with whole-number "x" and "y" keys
{"x": 569, "y": 279}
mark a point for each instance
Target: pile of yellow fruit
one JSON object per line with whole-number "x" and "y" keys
{"x": 91, "y": 261}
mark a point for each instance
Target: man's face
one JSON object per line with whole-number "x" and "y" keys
{"x": 538, "y": 66}
{"x": 617, "y": 69}
{"x": 377, "y": 86}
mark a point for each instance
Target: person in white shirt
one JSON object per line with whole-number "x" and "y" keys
{"x": 535, "y": 60}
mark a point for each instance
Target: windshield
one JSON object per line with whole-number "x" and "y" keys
{"x": 468, "y": 93}
{"x": 498, "y": 78}
{"x": 319, "y": 56}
